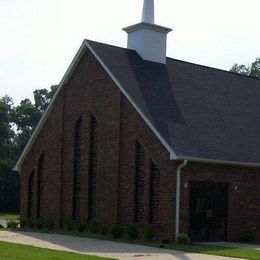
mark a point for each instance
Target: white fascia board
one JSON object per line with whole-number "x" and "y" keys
{"x": 49, "y": 108}
{"x": 165, "y": 144}
{"x": 214, "y": 161}
{"x": 64, "y": 80}
{"x": 145, "y": 25}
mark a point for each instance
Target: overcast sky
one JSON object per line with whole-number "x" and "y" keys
{"x": 39, "y": 38}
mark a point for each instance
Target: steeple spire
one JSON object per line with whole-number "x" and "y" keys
{"x": 146, "y": 38}
{"x": 148, "y": 11}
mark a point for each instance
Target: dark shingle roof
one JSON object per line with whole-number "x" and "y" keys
{"x": 200, "y": 112}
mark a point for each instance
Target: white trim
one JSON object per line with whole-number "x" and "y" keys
{"x": 178, "y": 196}
{"x": 64, "y": 81}
{"x": 145, "y": 25}
{"x": 214, "y": 161}
{"x": 49, "y": 108}
{"x": 170, "y": 150}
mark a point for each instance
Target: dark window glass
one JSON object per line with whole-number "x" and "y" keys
{"x": 77, "y": 168}
{"x": 154, "y": 193}
{"x": 30, "y": 194}
{"x": 93, "y": 137}
{"x": 40, "y": 185}
{"x": 139, "y": 183}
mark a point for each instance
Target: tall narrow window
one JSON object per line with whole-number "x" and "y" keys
{"x": 139, "y": 183}
{"x": 40, "y": 186}
{"x": 30, "y": 195}
{"x": 77, "y": 169}
{"x": 93, "y": 137}
{"x": 154, "y": 194}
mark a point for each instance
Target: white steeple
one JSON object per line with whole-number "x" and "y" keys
{"x": 148, "y": 11}
{"x": 147, "y": 38}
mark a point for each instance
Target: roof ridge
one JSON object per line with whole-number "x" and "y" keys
{"x": 213, "y": 68}
{"x": 188, "y": 62}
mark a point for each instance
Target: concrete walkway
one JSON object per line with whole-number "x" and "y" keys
{"x": 99, "y": 247}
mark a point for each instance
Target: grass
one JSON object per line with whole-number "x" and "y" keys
{"x": 246, "y": 253}
{"x": 15, "y": 251}
{"x": 9, "y": 216}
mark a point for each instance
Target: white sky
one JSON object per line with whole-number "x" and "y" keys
{"x": 39, "y": 38}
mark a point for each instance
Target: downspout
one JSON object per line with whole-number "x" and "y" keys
{"x": 178, "y": 189}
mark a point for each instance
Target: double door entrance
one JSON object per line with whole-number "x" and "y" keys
{"x": 208, "y": 211}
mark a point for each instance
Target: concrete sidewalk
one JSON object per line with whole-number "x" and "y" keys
{"x": 101, "y": 248}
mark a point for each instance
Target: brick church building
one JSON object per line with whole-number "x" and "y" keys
{"x": 132, "y": 136}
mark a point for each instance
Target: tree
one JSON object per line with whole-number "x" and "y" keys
{"x": 252, "y": 70}
{"x": 27, "y": 115}
{"x": 9, "y": 180}
{"x": 43, "y": 97}
{"x": 17, "y": 124}
{"x": 6, "y": 132}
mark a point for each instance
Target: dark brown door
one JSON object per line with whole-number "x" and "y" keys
{"x": 208, "y": 211}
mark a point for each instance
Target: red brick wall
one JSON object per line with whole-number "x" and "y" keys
{"x": 244, "y": 202}
{"x": 49, "y": 143}
{"x": 90, "y": 90}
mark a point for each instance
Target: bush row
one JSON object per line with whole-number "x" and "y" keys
{"x": 11, "y": 224}
{"x": 116, "y": 230}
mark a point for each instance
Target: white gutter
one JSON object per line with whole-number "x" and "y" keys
{"x": 178, "y": 189}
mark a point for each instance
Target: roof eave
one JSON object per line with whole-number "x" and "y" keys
{"x": 64, "y": 80}
{"x": 44, "y": 117}
{"x": 214, "y": 161}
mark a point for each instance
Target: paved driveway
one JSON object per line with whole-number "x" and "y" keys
{"x": 99, "y": 247}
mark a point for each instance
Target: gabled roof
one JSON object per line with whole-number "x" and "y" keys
{"x": 198, "y": 113}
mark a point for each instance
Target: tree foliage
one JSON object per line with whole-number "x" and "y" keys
{"x": 16, "y": 126}
{"x": 252, "y": 70}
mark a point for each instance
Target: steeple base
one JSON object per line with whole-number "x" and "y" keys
{"x": 149, "y": 40}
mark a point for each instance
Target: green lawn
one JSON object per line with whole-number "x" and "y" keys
{"x": 246, "y": 253}
{"x": 9, "y": 216}
{"x": 15, "y": 251}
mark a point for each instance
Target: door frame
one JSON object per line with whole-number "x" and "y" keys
{"x": 226, "y": 219}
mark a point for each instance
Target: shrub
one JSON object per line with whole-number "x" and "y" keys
{"x": 183, "y": 238}
{"x": 166, "y": 240}
{"x": 22, "y": 223}
{"x": 132, "y": 232}
{"x": 1, "y": 226}
{"x": 72, "y": 224}
{"x": 117, "y": 230}
{"x": 104, "y": 230}
{"x": 82, "y": 227}
{"x": 49, "y": 225}
{"x": 149, "y": 233}
{"x": 30, "y": 223}
{"x": 95, "y": 227}
{"x": 247, "y": 237}
{"x": 12, "y": 224}
{"x": 39, "y": 224}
